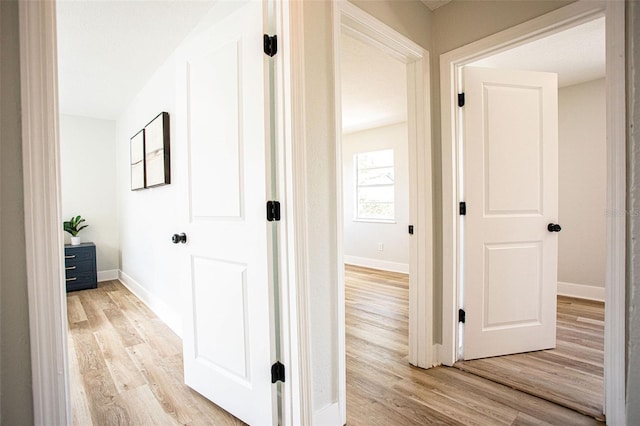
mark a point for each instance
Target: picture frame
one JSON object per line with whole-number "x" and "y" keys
{"x": 137, "y": 155}
{"x": 156, "y": 151}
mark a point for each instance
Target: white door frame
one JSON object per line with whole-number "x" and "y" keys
{"x": 42, "y": 201}
{"x": 450, "y": 65}
{"x": 356, "y": 23}
{"x": 44, "y": 242}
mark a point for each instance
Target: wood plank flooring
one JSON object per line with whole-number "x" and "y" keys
{"x": 126, "y": 365}
{"x": 570, "y": 375}
{"x": 126, "y": 368}
{"x": 383, "y": 389}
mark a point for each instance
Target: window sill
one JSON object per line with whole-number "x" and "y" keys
{"x": 389, "y": 221}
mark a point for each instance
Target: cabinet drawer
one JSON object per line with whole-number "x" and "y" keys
{"x": 76, "y": 255}
{"x": 74, "y": 268}
{"x": 81, "y": 282}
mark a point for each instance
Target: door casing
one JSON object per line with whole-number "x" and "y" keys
{"x": 450, "y": 65}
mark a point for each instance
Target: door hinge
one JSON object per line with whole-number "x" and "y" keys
{"x": 460, "y": 100}
{"x": 463, "y": 208}
{"x": 273, "y": 211}
{"x": 411, "y": 229}
{"x": 461, "y": 315}
{"x": 277, "y": 372}
{"x": 270, "y": 44}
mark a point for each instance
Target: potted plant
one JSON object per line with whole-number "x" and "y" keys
{"x": 73, "y": 227}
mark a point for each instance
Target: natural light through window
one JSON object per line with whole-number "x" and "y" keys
{"x": 375, "y": 185}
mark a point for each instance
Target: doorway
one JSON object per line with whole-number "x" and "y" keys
{"x": 570, "y": 351}
{"x": 565, "y": 18}
{"x": 376, "y": 191}
{"x": 364, "y": 30}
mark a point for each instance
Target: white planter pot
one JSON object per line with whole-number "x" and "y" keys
{"x": 75, "y": 241}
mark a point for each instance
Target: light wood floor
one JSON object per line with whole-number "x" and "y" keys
{"x": 383, "y": 389}
{"x": 126, "y": 365}
{"x": 570, "y": 375}
{"x": 126, "y": 368}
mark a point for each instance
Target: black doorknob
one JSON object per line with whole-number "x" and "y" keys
{"x": 554, "y": 227}
{"x": 179, "y": 238}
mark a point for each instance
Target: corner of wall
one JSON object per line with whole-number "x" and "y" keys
{"x": 16, "y": 400}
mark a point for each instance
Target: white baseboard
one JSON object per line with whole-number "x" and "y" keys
{"x": 328, "y": 416}
{"x": 167, "y": 314}
{"x": 377, "y": 264}
{"x": 581, "y": 291}
{"x": 111, "y": 274}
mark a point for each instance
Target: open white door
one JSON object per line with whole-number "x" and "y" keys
{"x": 510, "y": 187}
{"x": 227, "y": 324}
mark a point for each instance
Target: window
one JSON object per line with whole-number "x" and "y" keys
{"x": 375, "y": 185}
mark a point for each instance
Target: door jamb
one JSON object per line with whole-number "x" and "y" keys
{"x": 296, "y": 346}
{"x": 41, "y": 171}
{"x": 450, "y": 64}
{"x": 359, "y": 24}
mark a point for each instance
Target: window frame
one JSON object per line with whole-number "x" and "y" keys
{"x": 357, "y": 186}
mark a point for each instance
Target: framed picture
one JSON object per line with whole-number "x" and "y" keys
{"x": 156, "y": 151}
{"x": 137, "y": 161}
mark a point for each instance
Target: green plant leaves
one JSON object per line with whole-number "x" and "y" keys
{"x": 72, "y": 226}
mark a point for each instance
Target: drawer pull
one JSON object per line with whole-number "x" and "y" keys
{"x": 71, "y": 256}
{"x": 69, "y": 268}
{"x": 72, "y": 279}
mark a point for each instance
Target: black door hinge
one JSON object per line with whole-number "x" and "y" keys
{"x": 460, "y": 100}
{"x": 277, "y": 372}
{"x": 270, "y": 44}
{"x": 411, "y": 229}
{"x": 273, "y": 211}
{"x": 463, "y": 208}
{"x": 461, "y": 315}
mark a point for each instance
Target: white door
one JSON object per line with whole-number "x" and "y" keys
{"x": 227, "y": 331}
{"x": 510, "y": 186}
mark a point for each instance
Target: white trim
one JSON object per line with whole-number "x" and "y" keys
{"x": 111, "y": 274}
{"x": 298, "y": 403}
{"x": 615, "y": 283}
{"x": 559, "y": 20}
{"x": 44, "y": 242}
{"x": 383, "y": 265}
{"x": 337, "y": 11}
{"x": 328, "y": 416}
{"x": 166, "y": 313}
{"x": 581, "y": 291}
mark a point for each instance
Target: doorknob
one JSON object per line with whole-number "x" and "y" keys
{"x": 554, "y": 227}
{"x": 179, "y": 238}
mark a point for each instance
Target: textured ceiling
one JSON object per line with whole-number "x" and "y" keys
{"x": 576, "y": 55}
{"x": 374, "y": 87}
{"x": 107, "y": 50}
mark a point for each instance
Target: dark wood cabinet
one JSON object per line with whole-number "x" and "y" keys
{"x": 80, "y": 266}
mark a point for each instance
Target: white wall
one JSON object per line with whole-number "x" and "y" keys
{"x": 361, "y": 239}
{"x": 88, "y": 168}
{"x": 582, "y": 188}
{"x": 149, "y": 217}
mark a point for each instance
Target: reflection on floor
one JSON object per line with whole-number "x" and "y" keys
{"x": 126, "y": 365}
{"x": 571, "y": 374}
{"x": 383, "y": 389}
